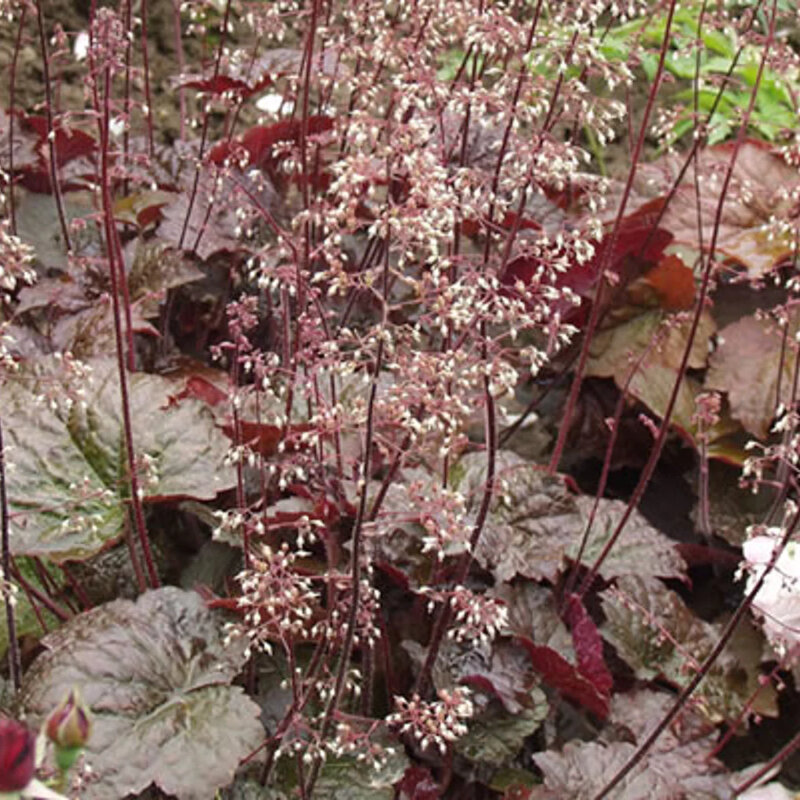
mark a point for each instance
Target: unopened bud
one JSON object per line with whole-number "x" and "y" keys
{"x": 69, "y": 728}
{"x": 17, "y": 756}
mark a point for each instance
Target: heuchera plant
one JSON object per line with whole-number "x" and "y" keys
{"x": 349, "y": 352}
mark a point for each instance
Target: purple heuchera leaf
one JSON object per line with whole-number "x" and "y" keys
{"x": 588, "y": 645}
{"x": 156, "y": 675}
{"x": 559, "y": 674}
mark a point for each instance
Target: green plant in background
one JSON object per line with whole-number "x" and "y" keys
{"x": 700, "y": 56}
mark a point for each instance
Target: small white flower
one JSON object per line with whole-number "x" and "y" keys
{"x": 81, "y": 46}
{"x": 271, "y": 103}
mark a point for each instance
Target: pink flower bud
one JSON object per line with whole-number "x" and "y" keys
{"x": 17, "y": 756}
{"x": 70, "y": 724}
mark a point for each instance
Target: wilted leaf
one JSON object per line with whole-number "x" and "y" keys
{"x": 535, "y": 525}
{"x": 615, "y": 351}
{"x": 157, "y": 267}
{"x": 761, "y": 188}
{"x": 658, "y": 636}
{"x": 156, "y": 675}
{"x": 748, "y": 363}
{"x": 670, "y": 282}
{"x": 68, "y": 482}
{"x": 141, "y": 209}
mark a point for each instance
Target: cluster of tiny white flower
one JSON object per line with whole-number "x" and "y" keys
{"x": 437, "y": 724}
{"x": 278, "y": 603}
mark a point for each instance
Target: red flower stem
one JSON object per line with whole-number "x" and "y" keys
{"x": 76, "y": 587}
{"x": 115, "y": 269}
{"x": 40, "y": 597}
{"x": 51, "y": 133}
{"x": 204, "y": 133}
{"x": 747, "y": 709}
{"x": 147, "y": 94}
{"x": 14, "y": 660}
{"x": 176, "y": 19}
{"x": 238, "y": 440}
{"x": 462, "y": 570}
{"x": 606, "y": 469}
{"x": 658, "y": 444}
{"x": 687, "y": 690}
{"x": 358, "y": 531}
{"x": 727, "y": 632}
{"x": 103, "y": 115}
{"x": 594, "y": 316}
{"x": 12, "y": 85}
{"x": 126, "y": 92}
{"x": 765, "y": 769}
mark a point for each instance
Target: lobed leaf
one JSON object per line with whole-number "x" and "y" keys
{"x": 156, "y": 675}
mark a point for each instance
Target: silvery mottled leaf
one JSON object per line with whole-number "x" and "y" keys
{"x": 67, "y": 477}
{"x": 495, "y": 737}
{"x": 659, "y": 637}
{"x": 156, "y": 675}
{"x": 675, "y": 767}
{"x": 535, "y": 524}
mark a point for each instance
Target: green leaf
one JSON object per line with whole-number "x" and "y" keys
{"x": 495, "y": 737}
{"x": 156, "y": 675}
{"x": 348, "y": 779}
{"x": 67, "y": 478}
{"x": 25, "y": 620}
{"x": 659, "y": 637}
{"x": 718, "y": 41}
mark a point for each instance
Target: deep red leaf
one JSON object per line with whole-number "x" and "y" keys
{"x": 397, "y": 576}
{"x": 696, "y": 554}
{"x": 417, "y": 783}
{"x": 148, "y": 215}
{"x": 264, "y": 438}
{"x": 636, "y": 239}
{"x": 558, "y": 673}
{"x": 70, "y": 144}
{"x": 473, "y": 227}
{"x": 588, "y": 645}
{"x": 518, "y": 793}
{"x": 219, "y": 85}
{"x": 201, "y": 389}
{"x": 36, "y": 179}
{"x": 483, "y": 684}
{"x": 259, "y": 140}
